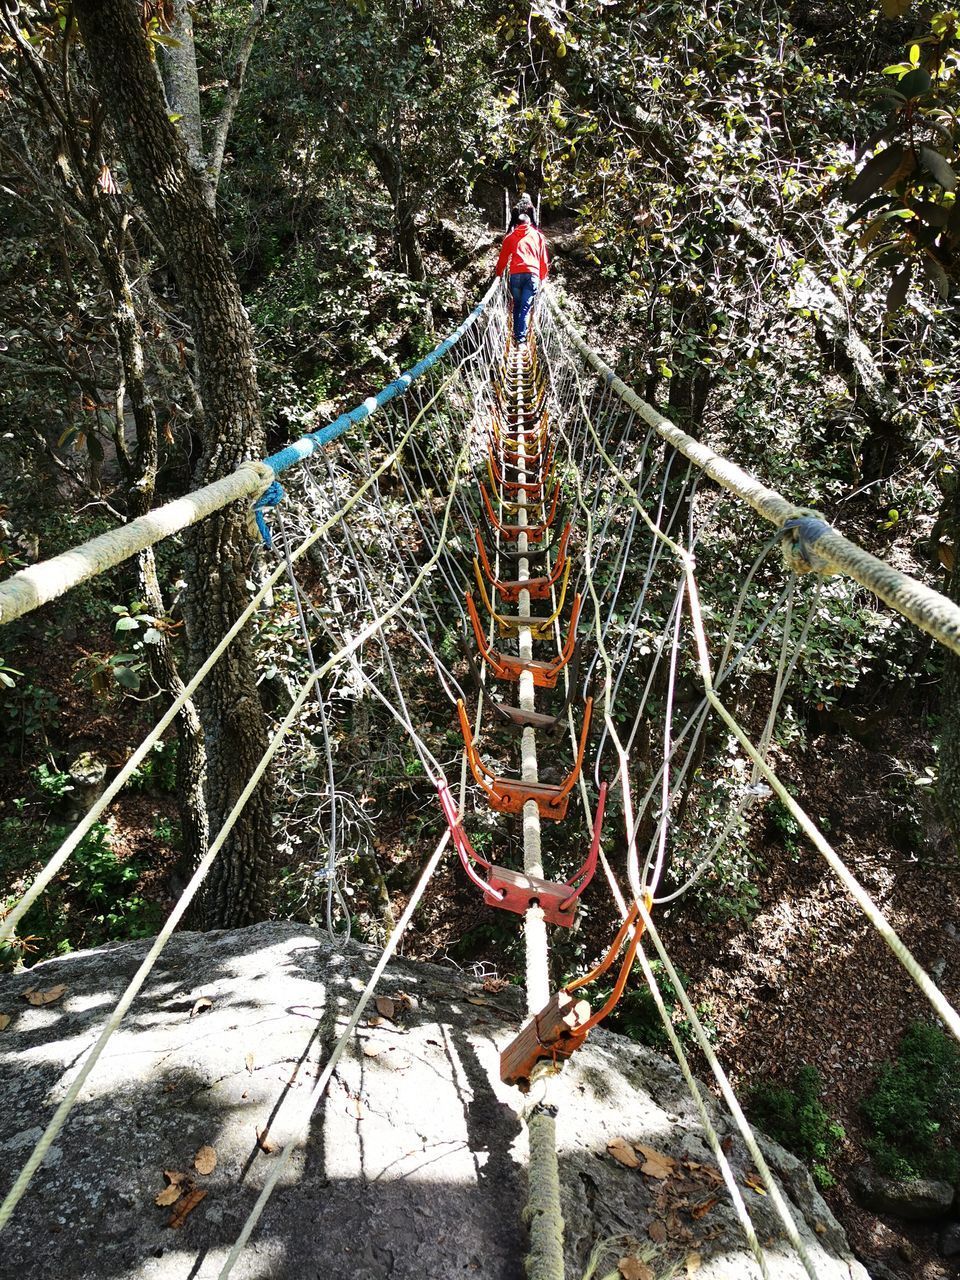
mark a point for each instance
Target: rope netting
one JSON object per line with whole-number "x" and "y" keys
{"x": 517, "y": 542}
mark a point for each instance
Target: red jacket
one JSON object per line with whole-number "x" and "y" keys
{"x": 524, "y": 252}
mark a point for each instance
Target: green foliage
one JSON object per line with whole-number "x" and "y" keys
{"x": 914, "y": 1108}
{"x": 905, "y": 193}
{"x": 94, "y": 900}
{"x": 158, "y": 772}
{"x": 636, "y": 1015}
{"x": 794, "y": 1116}
{"x": 51, "y": 782}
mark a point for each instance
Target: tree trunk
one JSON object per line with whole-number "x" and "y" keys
{"x": 191, "y": 760}
{"x": 390, "y": 167}
{"x": 182, "y": 85}
{"x": 172, "y": 194}
{"x": 950, "y": 702}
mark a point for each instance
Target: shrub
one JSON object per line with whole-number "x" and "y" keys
{"x": 913, "y": 1109}
{"x": 795, "y": 1118}
{"x": 94, "y": 900}
{"x": 636, "y": 1015}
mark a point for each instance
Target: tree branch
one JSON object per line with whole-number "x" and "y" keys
{"x": 221, "y": 131}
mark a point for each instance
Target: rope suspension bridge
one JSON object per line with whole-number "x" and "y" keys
{"x": 553, "y": 562}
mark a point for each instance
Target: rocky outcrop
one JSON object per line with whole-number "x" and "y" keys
{"x": 914, "y": 1200}
{"x": 413, "y": 1166}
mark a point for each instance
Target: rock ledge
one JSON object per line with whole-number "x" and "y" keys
{"x": 412, "y": 1169}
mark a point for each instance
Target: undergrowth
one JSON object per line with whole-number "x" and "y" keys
{"x": 913, "y": 1109}
{"x": 795, "y": 1117}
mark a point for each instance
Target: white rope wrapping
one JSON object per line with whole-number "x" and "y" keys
{"x": 43, "y": 582}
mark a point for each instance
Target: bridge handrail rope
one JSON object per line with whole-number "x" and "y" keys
{"x": 908, "y": 961}
{"x": 62, "y": 1112}
{"x": 816, "y": 544}
{"x": 41, "y": 583}
{"x": 9, "y": 922}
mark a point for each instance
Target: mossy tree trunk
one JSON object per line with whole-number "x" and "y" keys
{"x": 950, "y": 720}
{"x": 173, "y": 196}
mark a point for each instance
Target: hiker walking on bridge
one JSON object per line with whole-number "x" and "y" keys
{"x": 524, "y": 256}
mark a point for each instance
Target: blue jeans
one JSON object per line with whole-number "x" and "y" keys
{"x": 523, "y": 290}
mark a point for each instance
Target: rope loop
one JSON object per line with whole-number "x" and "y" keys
{"x": 797, "y": 539}
{"x": 272, "y": 496}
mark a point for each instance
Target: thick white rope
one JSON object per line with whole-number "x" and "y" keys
{"x": 9, "y": 923}
{"x": 126, "y": 999}
{"x": 41, "y": 583}
{"x": 925, "y": 608}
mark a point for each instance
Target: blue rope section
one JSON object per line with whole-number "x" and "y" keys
{"x": 798, "y": 539}
{"x": 309, "y": 444}
{"x": 271, "y": 497}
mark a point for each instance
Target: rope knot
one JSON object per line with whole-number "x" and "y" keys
{"x": 797, "y": 543}
{"x": 272, "y": 496}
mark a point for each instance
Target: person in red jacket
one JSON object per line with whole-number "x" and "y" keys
{"x": 524, "y": 257}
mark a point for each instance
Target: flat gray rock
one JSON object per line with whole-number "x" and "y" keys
{"x": 916, "y": 1200}
{"x": 413, "y": 1166}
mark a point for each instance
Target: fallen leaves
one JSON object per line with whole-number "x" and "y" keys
{"x": 692, "y": 1263}
{"x": 186, "y": 1206}
{"x": 493, "y": 985}
{"x": 181, "y": 1189}
{"x": 753, "y": 1182}
{"x": 174, "y": 1189}
{"x": 5, "y": 1020}
{"x": 655, "y": 1164}
{"x": 657, "y": 1231}
{"x": 201, "y": 1005}
{"x": 205, "y": 1161}
{"x": 36, "y": 997}
{"x": 634, "y": 1269}
{"x": 263, "y": 1141}
{"x": 623, "y": 1152}
{"x": 392, "y": 1006}
{"x": 704, "y": 1207}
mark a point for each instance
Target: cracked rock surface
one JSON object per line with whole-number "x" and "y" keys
{"x": 412, "y": 1168}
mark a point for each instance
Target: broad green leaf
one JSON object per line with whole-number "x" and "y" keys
{"x": 126, "y": 624}
{"x": 898, "y": 287}
{"x": 933, "y": 214}
{"x": 934, "y": 163}
{"x": 936, "y": 274}
{"x": 914, "y": 84}
{"x": 875, "y": 173}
